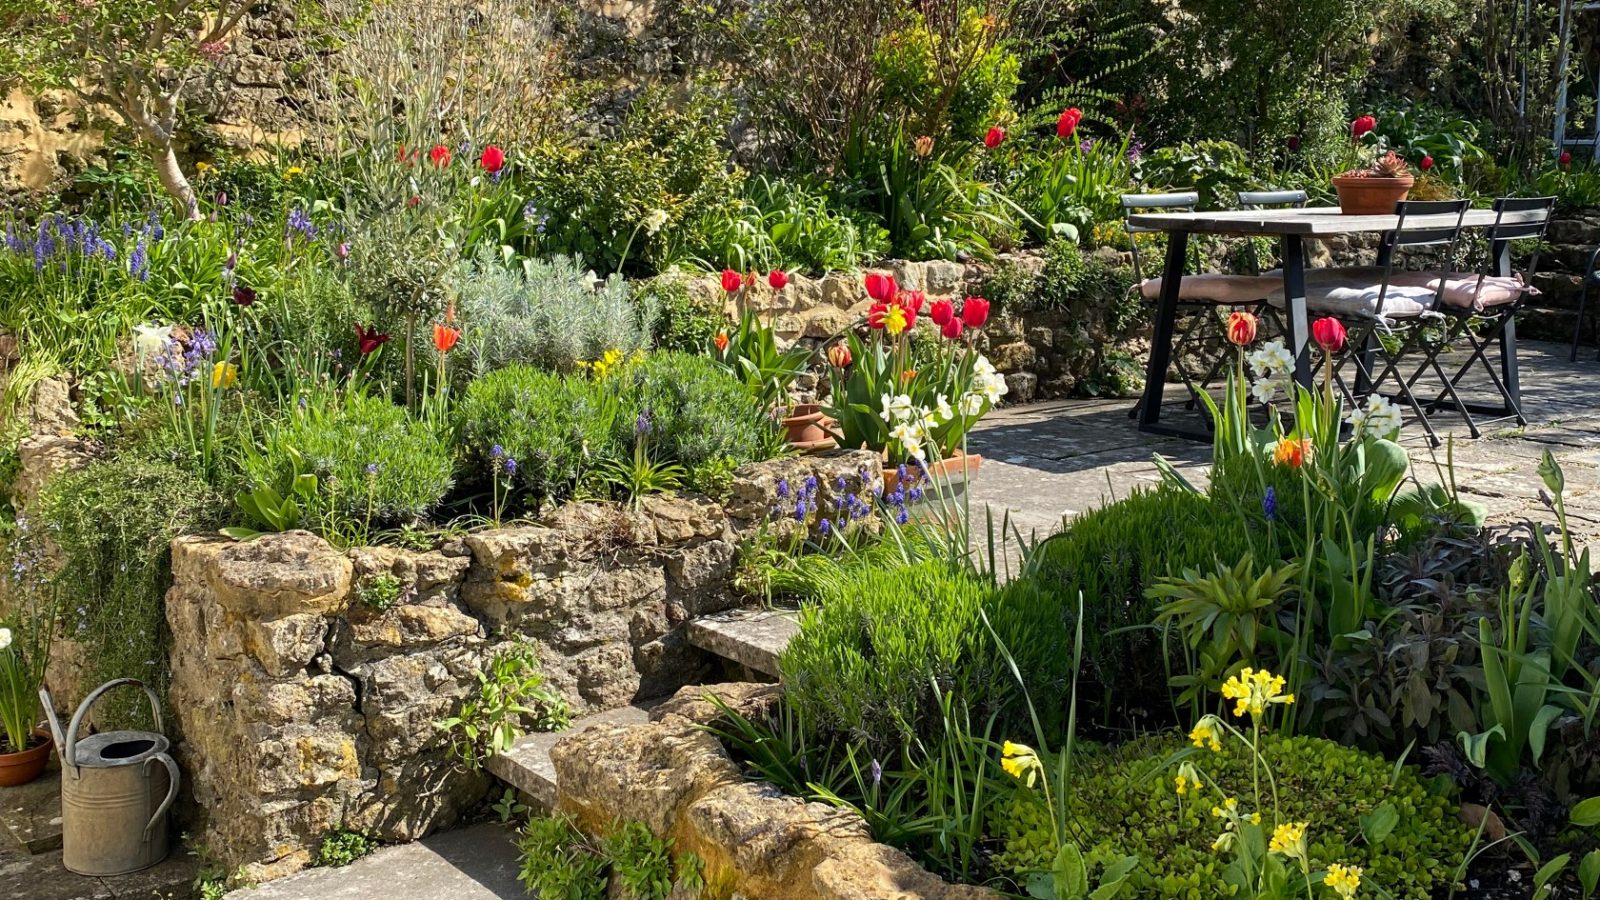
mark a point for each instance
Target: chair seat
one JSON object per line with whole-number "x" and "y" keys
{"x": 1461, "y": 289}
{"x": 1215, "y": 287}
{"x": 1352, "y": 292}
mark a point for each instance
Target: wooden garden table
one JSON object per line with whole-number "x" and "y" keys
{"x": 1292, "y": 227}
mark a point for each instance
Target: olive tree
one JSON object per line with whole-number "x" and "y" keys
{"x": 136, "y": 59}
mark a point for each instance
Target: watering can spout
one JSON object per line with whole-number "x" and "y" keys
{"x": 55, "y": 724}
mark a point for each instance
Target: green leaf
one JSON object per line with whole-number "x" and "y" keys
{"x": 1540, "y": 727}
{"x": 1114, "y": 878}
{"x": 1070, "y": 875}
{"x": 1587, "y": 813}
{"x": 240, "y": 533}
{"x": 1377, "y": 825}
{"x": 1589, "y": 873}
{"x": 1550, "y": 870}
{"x": 1476, "y": 746}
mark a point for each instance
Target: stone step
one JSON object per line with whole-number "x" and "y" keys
{"x": 476, "y": 863}
{"x": 31, "y": 813}
{"x": 751, "y": 637}
{"x": 527, "y": 767}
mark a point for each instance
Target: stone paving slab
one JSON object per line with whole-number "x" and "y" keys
{"x": 31, "y": 813}
{"x": 477, "y": 863}
{"x": 41, "y": 876}
{"x": 527, "y": 766}
{"x": 750, "y": 637}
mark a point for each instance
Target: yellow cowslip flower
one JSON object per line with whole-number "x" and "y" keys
{"x": 1206, "y": 734}
{"x": 224, "y": 375}
{"x": 202, "y": 168}
{"x": 1255, "y": 818}
{"x": 1345, "y": 880}
{"x": 1253, "y": 691}
{"x": 894, "y": 321}
{"x": 292, "y": 171}
{"x": 1181, "y": 784}
{"x": 1289, "y": 839}
{"x": 1020, "y": 761}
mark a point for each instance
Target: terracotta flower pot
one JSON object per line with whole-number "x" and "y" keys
{"x": 21, "y": 768}
{"x": 805, "y": 427}
{"x": 957, "y": 467}
{"x": 1371, "y": 196}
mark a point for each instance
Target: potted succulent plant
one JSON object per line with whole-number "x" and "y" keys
{"x": 1376, "y": 188}
{"x": 24, "y": 653}
{"x": 913, "y": 406}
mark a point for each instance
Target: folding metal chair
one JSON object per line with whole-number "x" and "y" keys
{"x": 1591, "y": 278}
{"x": 1397, "y": 306}
{"x": 1200, "y": 294}
{"x": 1470, "y": 301}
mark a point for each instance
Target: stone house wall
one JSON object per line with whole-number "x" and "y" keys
{"x": 300, "y": 709}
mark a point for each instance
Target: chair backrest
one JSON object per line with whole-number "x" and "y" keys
{"x": 1422, "y": 223}
{"x": 1268, "y": 200}
{"x": 1530, "y": 217}
{"x": 1182, "y": 201}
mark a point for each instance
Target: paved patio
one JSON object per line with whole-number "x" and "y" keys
{"x": 1045, "y": 461}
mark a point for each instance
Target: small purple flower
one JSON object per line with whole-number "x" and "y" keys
{"x": 641, "y": 425}
{"x": 1269, "y": 504}
{"x": 800, "y": 511}
{"x": 783, "y": 488}
{"x": 901, "y": 517}
{"x": 811, "y": 485}
{"x": 299, "y": 221}
{"x": 825, "y": 527}
{"x": 139, "y": 261}
{"x": 496, "y": 451}
{"x": 372, "y": 469}
{"x": 511, "y": 466}
{"x": 877, "y": 772}
{"x": 839, "y": 483}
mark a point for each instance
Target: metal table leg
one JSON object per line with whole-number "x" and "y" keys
{"x": 1294, "y": 296}
{"x": 1155, "y": 376}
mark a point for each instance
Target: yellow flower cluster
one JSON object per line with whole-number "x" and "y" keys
{"x": 1188, "y": 780}
{"x": 1230, "y": 810}
{"x": 1253, "y": 691}
{"x": 609, "y": 362}
{"x": 1289, "y": 839}
{"x": 1207, "y": 733}
{"x": 224, "y": 375}
{"x": 1345, "y": 880}
{"x": 1020, "y": 761}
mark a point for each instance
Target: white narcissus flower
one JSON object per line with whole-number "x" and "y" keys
{"x": 971, "y": 403}
{"x": 1264, "y": 390}
{"x": 150, "y": 340}
{"x": 942, "y": 407}
{"x": 896, "y": 408}
{"x": 655, "y": 220}
{"x": 5, "y": 638}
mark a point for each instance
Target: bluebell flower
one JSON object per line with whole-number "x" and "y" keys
{"x": 139, "y": 261}
{"x": 496, "y": 451}
{"x": 800, "y": 511}
{"x": 641, "y": 425}
{"x": 1269, "y": 504}
{"x": 840, "y": 483}
{"x": 900, "y": 471}
{"x": 372, "y": 468}
{"x": 511, "y": 466}
{"x": 811, "y": 484}
{"x": 877, "y": 772}
{"x": 914, "y": 495}
{"x": 825, "y": 527}
{"x": 901, "y": 517}
{"x": 299, "y": 221}
{"x": 783, "y": 488}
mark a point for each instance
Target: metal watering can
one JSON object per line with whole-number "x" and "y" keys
{"x": 116, "y": 788}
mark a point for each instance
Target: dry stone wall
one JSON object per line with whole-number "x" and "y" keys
{"x": 301, "y": 708}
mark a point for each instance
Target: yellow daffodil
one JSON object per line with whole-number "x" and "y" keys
{"x": 1345, "y": 880}
{"x": 224, "y": 375}
{"x": 894, "y": 321}
{"x": 1253, "y": 691}
{"x": 1289, "y": 839}
{"x": 1207, "y": 733}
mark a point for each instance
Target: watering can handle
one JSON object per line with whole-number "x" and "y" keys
{"x": 70, "y": 758}
{"x": 172, "y": 790}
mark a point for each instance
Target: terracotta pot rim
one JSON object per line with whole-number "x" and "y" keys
{"x": 43, "y": 739}
{"x": 1374, "y": 180}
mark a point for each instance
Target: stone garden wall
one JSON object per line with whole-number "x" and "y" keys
{"x": 300, "y": 708}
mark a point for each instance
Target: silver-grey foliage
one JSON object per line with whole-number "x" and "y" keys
{"x": 550, "y": 313}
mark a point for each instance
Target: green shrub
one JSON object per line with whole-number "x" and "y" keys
{"x": 682, "y": 322}
{"x": 376, "y": 466}
{"x": 112, "y": 523}
{"x": 699, "y": 414}
{"x": 544, "y": 313}
{"x": 1124, "y": 803}
{"x": 557, "y": 428}
{"x": 915, "y": 82}
{"x": 1111, "y": 555}
{"x": 342, "y": 848}
{"x": 883, "y": 644}
{"x": 786, "y": 225}
{"x": 557, "y": 863}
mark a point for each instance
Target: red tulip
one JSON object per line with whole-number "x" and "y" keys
{"x": 1242, "y": 328}
{"x": 243, "y": 295}
{"x": 493, "y": 159}
{"x": 995, "y": 137}
{"x": 368, "y": 340}
{"x": 1362, "y": 125}
{"x": 1329, "y": 334}
{"x": 1565, "y": 160}
{"x": 1068, "y": 123}
{"x": 1427, "y": 162}
{"x": 749, "y": 279}
{"x": 911, "y": 300}
{"x": 881, "y": 287}
{"x": 943, "y": 312}
{"x": 400, "y": 155}
{"x": 731, "y": 280}
{"x": 951, "y": 329}
{"x": 778, "y": 278}
{"x": 974, "y": 312}
{"x": 439, "y": 156}
{"x": 839, "y": 356}
{"x": 414, "y": 202}
{"x": 875, "y": 314}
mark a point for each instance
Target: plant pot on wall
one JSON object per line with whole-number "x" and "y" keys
{"x": 954, "y": 470}
{"x": 21, "y": 768}
{"x": 1370, "y": 195}
{"x": 806, "y": 428}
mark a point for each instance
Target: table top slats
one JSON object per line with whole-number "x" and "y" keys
{"x": 1314, "y": 221}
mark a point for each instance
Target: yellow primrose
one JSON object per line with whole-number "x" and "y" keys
{"x": 1207, "y": 733}
{"x": 224, "y": 375}
{"x": 1188, "y": 780}
{"x": 1345, "y": 880}
{"x": 1020, "y": 761}
{"x": 1289, "y": 839}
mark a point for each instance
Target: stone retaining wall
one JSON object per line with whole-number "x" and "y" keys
{"x": 300, "y": 709}
{"x": 678, "y": 780}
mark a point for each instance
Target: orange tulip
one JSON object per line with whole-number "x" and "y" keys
{"x": 721, "y": 340}
{"x": 1291, "y": 453}
{"x": 445, "y": 337}
{"x": 1242, "y": 328}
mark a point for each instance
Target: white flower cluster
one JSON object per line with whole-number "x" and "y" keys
{"x": 5, "y": 638}
{"x": 1379, "y": 418}
{"x": 912, "y": 426}
{"x": 987, "y": 386}
{"x": 1273, "y": 367}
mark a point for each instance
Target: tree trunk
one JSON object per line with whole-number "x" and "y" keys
{"x": 173, "y": 179}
